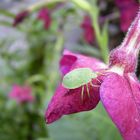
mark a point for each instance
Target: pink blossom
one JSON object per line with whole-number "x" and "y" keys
{"x": 119, "y": 89}
{"x": 44, "y": 15}
{"x": 67, "y": 101}
{"x": 120, "y": 92}
{"x": 21, "y": 94}
{"x": 20, "y": 17}
{"x": 88, "y": 29}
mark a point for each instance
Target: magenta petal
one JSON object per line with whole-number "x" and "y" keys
{"x": 127, "y": 15}
{"x": 44, "y": 15}
{"x": 70, "y": 101}
{"x": 88, "y": 29}
{"x": 121, "y": 98}
{"x": 66, "y": 63}
{"x": 20, "y": 17}
{"x": 21, "y": 94}
{"x": 70, "y": 61}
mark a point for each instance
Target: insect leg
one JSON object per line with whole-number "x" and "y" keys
{"x": 91, "y": 83}
{"x": 87, "y": 90}
{"x": 82, "y": 93}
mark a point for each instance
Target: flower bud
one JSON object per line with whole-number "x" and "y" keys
{"x": 127, "y": 53}
{"x": 45, "y": 15}
{"x": 20, "y": 17}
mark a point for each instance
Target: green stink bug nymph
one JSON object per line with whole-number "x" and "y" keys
{"x": 79, "y": 77}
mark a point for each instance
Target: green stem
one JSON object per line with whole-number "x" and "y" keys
{"x": 51, "y": 68}
{"x": 102, "y": 39}
{"x": 99, "y": 36}
{"x": 6, "y": 13}
{"x": 42, "y": 3}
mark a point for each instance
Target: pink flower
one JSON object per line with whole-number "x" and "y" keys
{"x": 44, "y": 15}
{"x": 119, "y": 89}
{"x": 69, "y": 101}
{"x": 21, "y": 94}
{"x": 128, "y": 10}
{"x": 88, "y": 30}
{"x": 20, "y": 17}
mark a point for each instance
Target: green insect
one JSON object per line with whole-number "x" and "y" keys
{"x": 79, "y": 77}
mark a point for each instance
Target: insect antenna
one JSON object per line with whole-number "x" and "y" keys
{"x": 98, "y": 80}
{"x": 101, "y": 73}
{"x": 94, "y": 85}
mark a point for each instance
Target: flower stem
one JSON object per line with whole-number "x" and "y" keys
{"x": 101, "y": 36}
{"x": 42, "y": 3}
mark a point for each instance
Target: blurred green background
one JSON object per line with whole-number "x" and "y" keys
{"x": 30, "y": 54}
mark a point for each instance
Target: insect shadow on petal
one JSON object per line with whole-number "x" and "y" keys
{"x": 80, "y": 77}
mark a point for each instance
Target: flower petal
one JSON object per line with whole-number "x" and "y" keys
{"x": 67, "y": 101}
{"x": 70, "y": 61}
{"x": 45, "y": 16}
{"x": 20, "y": 17}
{"x": 21, "y": 93}
{"x": 127, "y": 15}
{"x": 66, "y": 63}
{"x": 121, "y": 98}
{"x": 88, "y": 29}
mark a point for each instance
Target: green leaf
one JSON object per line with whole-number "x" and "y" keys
{"x": 5, "y": 23}
{"x": 7, "y": 13}
{"x": 105, "y": 34}
{"x": 36, "y": 78}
